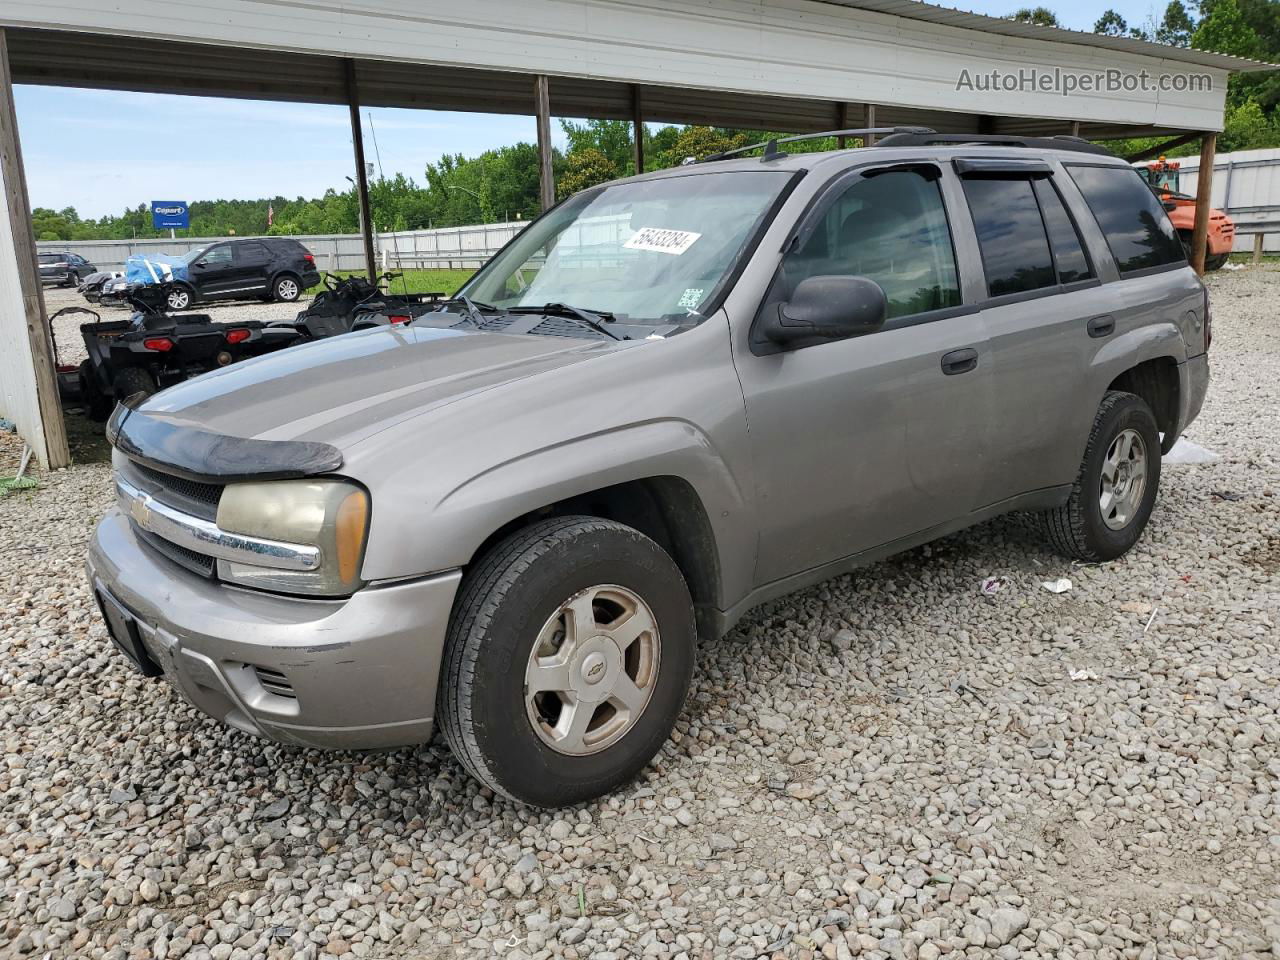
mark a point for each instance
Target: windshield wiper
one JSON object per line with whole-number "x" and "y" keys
{"x": 473, "y": 309}
{"x": 589, "y": 318}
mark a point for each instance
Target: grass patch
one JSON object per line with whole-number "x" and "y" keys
{"x": 418, "y": 281}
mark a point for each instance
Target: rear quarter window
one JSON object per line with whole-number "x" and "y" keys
{"x": 1136, "y": 227}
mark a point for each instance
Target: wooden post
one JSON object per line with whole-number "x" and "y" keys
{"x": 362, "y": 172}
{"x": 53, "y": 450}
{"x": 637, "y": 129}
{"x": 842, "y": 123}
{"x": 1204, "y": 188}
{"x": 1075, "y": 128}
{"x": 542, "y": 107}
{"x": 870, "y": 139}
{"x": 1258, "y": 238}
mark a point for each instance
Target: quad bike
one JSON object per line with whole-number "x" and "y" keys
{"x": 152, "y": 350}
{"x": 355, "y": 303}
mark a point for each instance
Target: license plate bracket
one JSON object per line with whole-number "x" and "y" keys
{"x": 122, "y": 628}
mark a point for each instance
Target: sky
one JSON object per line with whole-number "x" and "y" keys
{"x": 103, "y": 151}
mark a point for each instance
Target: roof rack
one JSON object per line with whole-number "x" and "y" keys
{"x": 1060, "y": 142}
{"x": 771, "y": 151}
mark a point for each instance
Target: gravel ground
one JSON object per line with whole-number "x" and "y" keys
{"x": 66, "y": 330}
{"x": 888, "y": 765}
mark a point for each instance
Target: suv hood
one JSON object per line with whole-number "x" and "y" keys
{"x": 342, "y": 390}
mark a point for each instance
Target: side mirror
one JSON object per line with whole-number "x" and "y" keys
{"x": 830, "y": 308}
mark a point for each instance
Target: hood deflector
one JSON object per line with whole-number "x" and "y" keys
{"x": 205, "y": 457}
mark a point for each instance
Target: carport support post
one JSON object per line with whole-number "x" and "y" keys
{"x": 1204, "y": 190}
{"x": 362, "y": 172}
{"x": 13, "y": 179}
{"x": 637, "y": 128}
{"x": 542, "y": 108}
{"x": 870, "y": 139}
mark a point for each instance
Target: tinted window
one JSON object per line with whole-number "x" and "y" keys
{"x": 1015, "y": 249}
{"x": 893, "y": 229}
{"x": 1068, "y": 251}
{"x": 1137, "y": 229}
{"x": 251, "y": 252}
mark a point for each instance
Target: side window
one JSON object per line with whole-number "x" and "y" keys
{"x": 1068, "y": 251}
{"x": 219, "y": 256}
{"x": 1136, "y": 226}
{"x": 891, "y": 228}
{"x": 1011, "y": 235}
{"x": 251, "y": 253}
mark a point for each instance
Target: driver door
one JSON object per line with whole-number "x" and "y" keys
{"x": 214, "y": 273}
{"x": 857, "y": 443}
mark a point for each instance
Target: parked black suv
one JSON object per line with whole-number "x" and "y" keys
{"x": 271, "y": 268}
{"x": 64, "y": 269}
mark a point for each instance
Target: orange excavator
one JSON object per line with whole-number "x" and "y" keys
{"x": 1162, "y": 176}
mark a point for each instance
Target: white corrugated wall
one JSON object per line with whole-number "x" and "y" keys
{"x": 18, "y": 394}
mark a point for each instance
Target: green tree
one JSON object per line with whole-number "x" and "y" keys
{"x": 1111, "y": 24}
{"x": 612, "y": 138}
{"x": 1177, "y": 26}
{"x": 1041, "y": 16}
{"x": 585, "y": 168}
{"x": 1225, "y": 30}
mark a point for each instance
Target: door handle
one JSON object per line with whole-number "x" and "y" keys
{"x": 1102, "y": 326}
{"x": 959, "y": 361}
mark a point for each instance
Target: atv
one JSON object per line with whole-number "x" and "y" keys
{"x": 152, "y": 350}
{"x": 355, "y": 303}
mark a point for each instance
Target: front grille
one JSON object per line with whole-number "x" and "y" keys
{"x": 195, "y": 562}
{"x": 207, "y": 493}
{"x": 273, "y": 681}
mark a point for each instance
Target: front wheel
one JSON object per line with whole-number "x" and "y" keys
{"x": 567, "y": 662}
{"x": 1115, "y": 491}
{"x": 179, "y": 298}
{"x": 286, "y": 289}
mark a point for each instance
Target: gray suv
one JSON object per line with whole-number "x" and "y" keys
{"x": 669, "y": 399}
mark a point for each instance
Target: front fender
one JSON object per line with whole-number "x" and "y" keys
{"x": 464, "y": 517}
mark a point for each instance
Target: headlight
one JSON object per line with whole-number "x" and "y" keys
{"x": 330, "y": 514}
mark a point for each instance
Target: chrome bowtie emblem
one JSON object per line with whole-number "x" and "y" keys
{"x": 140, "y": 512}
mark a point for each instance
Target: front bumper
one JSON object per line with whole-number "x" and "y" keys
{"x": 362, "y": 671}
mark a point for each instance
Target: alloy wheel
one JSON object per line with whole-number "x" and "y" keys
{"x": 1124, "y": 479}
{"x": 592, "y": 670}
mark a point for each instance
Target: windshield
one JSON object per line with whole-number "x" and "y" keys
{"x": 645, "y": 251}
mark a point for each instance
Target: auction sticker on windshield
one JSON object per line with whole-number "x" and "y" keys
{"x": 661, "y": 241}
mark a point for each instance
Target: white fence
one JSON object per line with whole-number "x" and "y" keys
{"x": 1246, "y": 186}
{"x": 447, "y": 247}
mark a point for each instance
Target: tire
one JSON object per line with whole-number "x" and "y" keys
{"x": 97, "y": 404}
{"x": 73, "y": 279}
{"x": 507, "y": 603}
{"x": 179, "y": 298}
{"x": 133, "y": 380}
{"x": 286, "y": 288}
{"x": 1216, "y": 262}
{"x": 1079, "y": 528}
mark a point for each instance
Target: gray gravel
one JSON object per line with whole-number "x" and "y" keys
{"x": 66, "y": 330}
{"x": 888, "y": 765}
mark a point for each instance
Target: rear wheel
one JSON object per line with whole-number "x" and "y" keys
{"x": 97, "y": 404}
{"x": 286, "y": 289}
{"x": 1115, "y": 491}
{"x": 131, "y": 381}
{"x": 568, "y": 659}
{"x": 1216, "y": 262}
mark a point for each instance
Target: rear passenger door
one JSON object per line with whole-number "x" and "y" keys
{"x": 1043, "y": 304}
{"x": 252, "y": 265}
